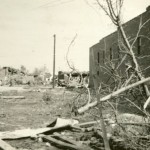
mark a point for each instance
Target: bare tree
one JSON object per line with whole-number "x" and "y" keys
{"x": 113, "y": 9}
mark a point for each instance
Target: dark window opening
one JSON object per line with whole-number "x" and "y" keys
{"x": 98, "y": 58}
{"x": 103, "y": 56}
{"x": 98, "y": 73}
{"x": 139, "y": 45}
{"x": 111, "y": 54}
{"x": 118, "y": 48}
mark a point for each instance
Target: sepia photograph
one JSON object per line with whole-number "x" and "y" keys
{"x": 74, "y": 75}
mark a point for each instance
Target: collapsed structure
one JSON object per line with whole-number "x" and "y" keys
{"x": 108, "y": 52}
{"x": 73, "y": 79}
{"x": 11, "y": 76}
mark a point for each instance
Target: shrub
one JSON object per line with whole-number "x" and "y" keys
{"x": 46, "y": 97}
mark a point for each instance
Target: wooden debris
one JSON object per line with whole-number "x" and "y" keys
{"x": 66, "y": 139}
{"x": 61, "y": 122}
{"x": 12, "y": 97}
{"x": 62, "y": 144}
{"x": 87, "y": 124}
{"x": 18, "y": 134}
{"x": 5, "y": 146}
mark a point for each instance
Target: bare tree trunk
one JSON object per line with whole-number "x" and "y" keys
{"x": 114, "y": 14}
{"x": 104, "y": 132}
{"x": 137, "y": 70}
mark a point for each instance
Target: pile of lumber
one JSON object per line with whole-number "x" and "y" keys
{"x": 65, "y": 134}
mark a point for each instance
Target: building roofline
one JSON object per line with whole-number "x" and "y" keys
{"x": 147, "y": 9}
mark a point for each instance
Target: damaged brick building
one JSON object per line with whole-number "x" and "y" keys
{"x": 107, "y": 50}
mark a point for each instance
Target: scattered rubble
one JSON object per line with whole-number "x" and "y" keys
{"x": 66, "y": 134}
{"x": 72, "y": 79}
{"x": 12, "y": 97}
{"x": 78, "y": 134}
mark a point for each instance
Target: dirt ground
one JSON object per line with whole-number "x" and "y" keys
{"x": 39, "y": 108}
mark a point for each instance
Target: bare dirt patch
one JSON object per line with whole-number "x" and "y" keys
{"x": 34, "y": 111}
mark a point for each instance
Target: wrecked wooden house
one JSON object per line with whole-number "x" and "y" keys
{"x": 107, "y": 53}
{"x": 7, "y": 73}
{"x": 11, "y": 76}
{"x": 44, "y": 78}
{"x": 72, "y": 79}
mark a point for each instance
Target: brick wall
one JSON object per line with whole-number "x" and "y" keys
{"x": 107, "y": 49}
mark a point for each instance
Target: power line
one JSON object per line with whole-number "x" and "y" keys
{"x": 48, "y": 3}
{"x": 86, "y": 1}
{"x": 55, "y": 3}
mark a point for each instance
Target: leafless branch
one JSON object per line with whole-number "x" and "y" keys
{"x": 72, "y": 41}
{"x": 116, "y": 93}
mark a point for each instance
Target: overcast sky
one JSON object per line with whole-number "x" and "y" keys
{"x": 27, "y": 28}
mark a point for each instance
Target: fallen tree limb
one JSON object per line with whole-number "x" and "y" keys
{"x": 146, "y": 103}
{"x": 91, "y": 123}
{"x": 12, "y": 97}
{"x": 135, "y": 123}
{"x": 5, "y": 146}
{"x": 116, "y": 93}
{"x": 145, "y": 124}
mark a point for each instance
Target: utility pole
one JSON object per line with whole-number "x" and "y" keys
{"x": 54, "y": 61}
